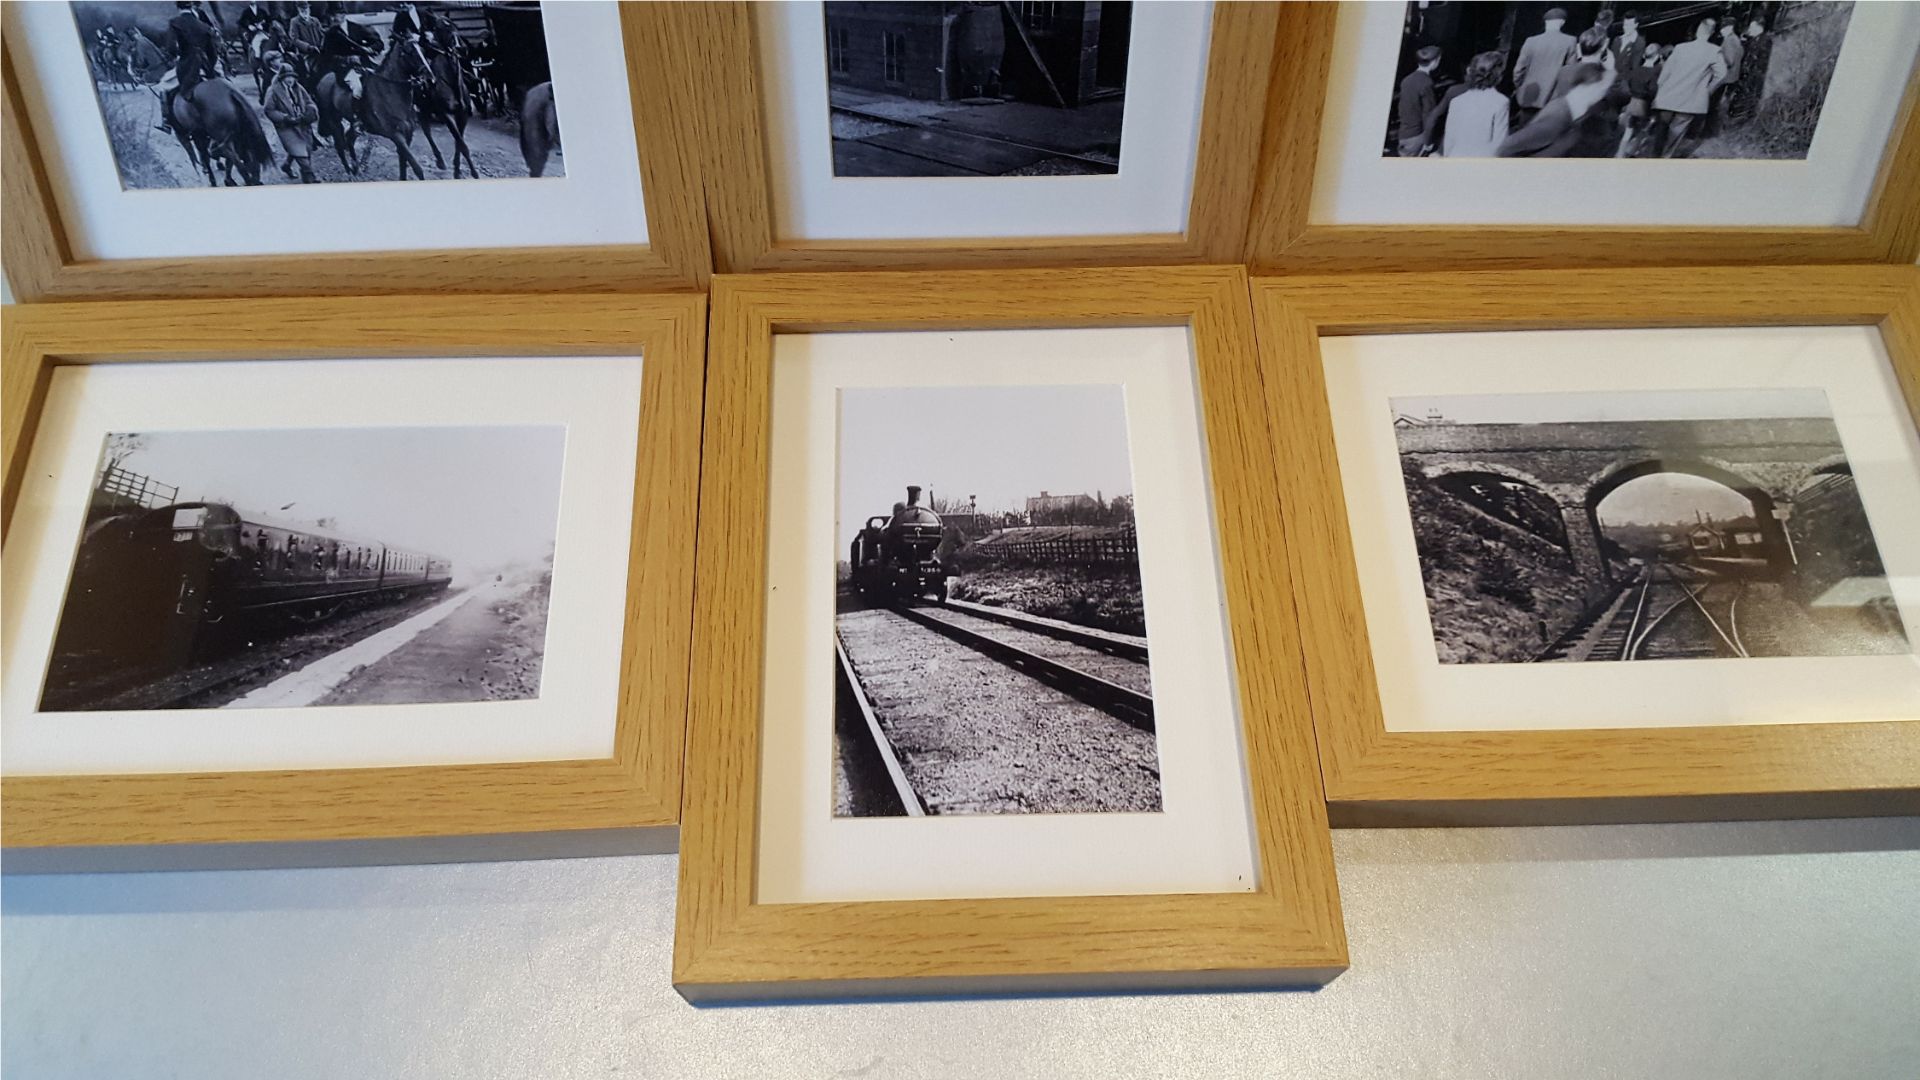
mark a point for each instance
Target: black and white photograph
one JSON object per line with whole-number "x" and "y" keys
{"x": 990, "y": 627}
{"x": 1557, "y": 527}
{"x": 1742, "y": 80}
{"x": 309, "y": 567}
{"x": 977, "y": 89}
{"x": 201, "y": 93}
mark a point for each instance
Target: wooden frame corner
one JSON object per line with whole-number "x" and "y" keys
{"x": 728, "y": 946}
{"x": 1379, "y": 777}
{"x": 627, "y": 802}
{"x": 738, "y": 175}
{"x": 42, "y": 266}
{"x": 1283, "y": 238}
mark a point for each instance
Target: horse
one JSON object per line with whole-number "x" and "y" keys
{"x": 216, "y": 120}
{"x": 539, "y": 127}
{"x": 334, "y": 96}
{"x": 445, "y": 99}
{"x": 385, "y": 105}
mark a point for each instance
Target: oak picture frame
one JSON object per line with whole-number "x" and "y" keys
{"x": 729, "y": 946}
{"x": 41, "y": 264}
{"x": 1284, "y": 238}
{"x": 622, "y": 804}
{"x": 737, "y": 175}
{"x": 1377, "y": 777}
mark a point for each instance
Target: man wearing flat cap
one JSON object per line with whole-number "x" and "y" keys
{"x": 1541, "y": 58}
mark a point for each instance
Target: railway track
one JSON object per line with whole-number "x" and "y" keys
{"x": 211, "y": 681}
{"x": 955, "y": 136}
{"x": 1106, "y": 671}
{"x": 1655, "y": 619}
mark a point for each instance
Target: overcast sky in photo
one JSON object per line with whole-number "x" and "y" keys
{"x": 483, "y": 497}
{"x": 999, "y": 443}
{"x": 1660, "y": 498}
{"x": 1597, "y": 405}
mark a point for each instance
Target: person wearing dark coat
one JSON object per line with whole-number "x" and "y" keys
{"x": 339, "y": 51}
{"x": 1564, "y": 125}
{"x": 1636, "y": 119}
{"x": 253, "y": 19}
{"x": 1417, "y": 101}
{"x": 1744, "y": 99}
{"x": 194, "y": 40}
{"x": 1630, "y": 46}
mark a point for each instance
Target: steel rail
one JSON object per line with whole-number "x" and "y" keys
{"x": 1120, "y": 645}
{"x": 904, "y": 798}
{"x": 1639, "y": 611}
{"x": 1654, "y": 623}
{"x": 1129, "y": 706}
{"x": 967, "y": 134}
{"x": 1713, "y": 622}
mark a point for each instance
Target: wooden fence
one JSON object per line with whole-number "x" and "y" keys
{"x": 1122, "y": 549}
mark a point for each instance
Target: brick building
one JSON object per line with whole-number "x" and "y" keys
{"x": 1061, "y": 54}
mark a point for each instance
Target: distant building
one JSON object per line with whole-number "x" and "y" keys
{"x": 1046, "y": 507}
{"x": 1061, "y": 54}
{"x": 1706, "y": 540}
{"x": 1434, "y": 416}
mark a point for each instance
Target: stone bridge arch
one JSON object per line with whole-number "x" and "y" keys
{"x": 1770, "y": 497}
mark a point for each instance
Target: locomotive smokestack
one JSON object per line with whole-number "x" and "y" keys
{"x": 913, "y": 494}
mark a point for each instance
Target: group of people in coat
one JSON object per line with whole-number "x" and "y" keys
{"x": 318, "y": 47}
{"x": 1598, "y": 94}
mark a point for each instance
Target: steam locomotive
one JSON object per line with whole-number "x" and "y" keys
{"x": 146, "y": 584}
{"x": 899, "y": 557}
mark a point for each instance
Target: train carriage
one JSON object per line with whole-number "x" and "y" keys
{"x": 146, "y": 584}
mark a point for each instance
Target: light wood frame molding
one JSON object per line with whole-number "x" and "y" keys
{"x": 628, "y": 802}
{"x": 1379, "y": 777}
{"x": 739, "y": 178}
{"x": 1284, "y": 238}
{"x": 42, "y": 266}
{"x": 729, "y": 946}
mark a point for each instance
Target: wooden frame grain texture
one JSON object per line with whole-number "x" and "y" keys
{"x": 1283, "y": 237}
{"x": 1379, "y": 777}
{"x": 629, "y": 801}
{"x": 726, "y": 945}
{"x": 41, "y": 264}
{"x": 738, "y": 176}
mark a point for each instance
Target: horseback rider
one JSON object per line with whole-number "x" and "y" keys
{"x": 253, "y": 19}
{"x": 410, "y": 23}
{"x": 339, "y": 52}
{"x": 197, "y": 45}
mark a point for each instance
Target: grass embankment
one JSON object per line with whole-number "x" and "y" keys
{"x": 1495, "y": 592}
{"x": 1798, "y": 73}
{"x": 515, "y": 670}
{"x": 1103, "y": 597}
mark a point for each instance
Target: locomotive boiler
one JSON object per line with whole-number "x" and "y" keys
{"x": 898, "y": 557}
{"x": 145, "y": 585}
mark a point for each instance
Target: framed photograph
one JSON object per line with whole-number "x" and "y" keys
{"x": 1604, "y": 545}
{"x": 223, "y": 149}
{"x": 1441, "y": 135}
{"x": 921, "y": 136}
{"x": 996, "y": 681}
{"x": 298, "y": 582}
